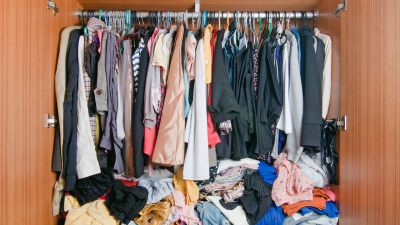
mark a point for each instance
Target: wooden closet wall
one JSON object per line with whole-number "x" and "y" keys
{"x": 365, "y": 82}
{"x": 29, "y": 40}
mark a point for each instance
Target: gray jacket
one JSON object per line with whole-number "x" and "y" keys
{"x": 293, "y": 147}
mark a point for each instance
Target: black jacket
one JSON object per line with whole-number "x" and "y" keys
{"x": 312, "y": 66}
{"x": 138, "y": 113}
{"x": 70, "y": 112}
{"x": 269, "y": 103}
{"x": 224, "y": 105}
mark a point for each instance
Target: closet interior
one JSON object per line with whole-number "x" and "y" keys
{"x": 192, "y": 112}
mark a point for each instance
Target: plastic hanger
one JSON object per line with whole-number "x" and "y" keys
{"x": 295, "y": 19}
{"x": 205, "y": 19}
{"x": 100, "y": 14}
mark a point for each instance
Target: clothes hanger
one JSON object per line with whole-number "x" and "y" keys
{"x": 204, "y": 18}
{"x": 295, "y": 19}
{"x": 82, "y": 20}
{"x": 313, "y": 15}
{"x": 219, "y": 20}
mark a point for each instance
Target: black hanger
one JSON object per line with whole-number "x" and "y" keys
{"x": 284, "y": 18}
{"x": 313, "y": 15}
{"x": 295, "y": 19}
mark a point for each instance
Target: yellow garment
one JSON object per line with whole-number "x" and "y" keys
{"x": 97, "y": 139}
{"x": 159, "y": 57}
{"x": 158, "y": 213}
{"x": 93, "y": 213}
{"x": 207, "y": 52}
{"x": 187, "y": 187}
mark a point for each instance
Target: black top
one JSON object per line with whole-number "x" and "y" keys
{"x": 70, "y": 112}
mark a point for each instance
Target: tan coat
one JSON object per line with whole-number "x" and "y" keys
{"x": 170, "y": 144}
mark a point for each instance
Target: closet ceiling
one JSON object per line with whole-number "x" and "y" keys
{"x": 208, "y": 5}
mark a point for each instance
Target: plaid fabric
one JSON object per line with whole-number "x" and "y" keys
{"x": 93, "y": 26}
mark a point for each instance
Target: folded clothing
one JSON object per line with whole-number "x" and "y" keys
{"x": 187, "y": 187}
{"x": 125, "y": 202}
{"x": 332, "y": 196}
{"x": 267, "y": 172}
{"x": 318, "y": 201}
{"x": 256, "y": 199}
{"x": 274, "y": 216}
{"x": 290, "y": 220}
{"x": 331, "y": 210}
{"x": 157, "y": 213}
{"x": 210, "y": 214}
{"x": 229, "y": 191}
{"x": 236, "y": 216}
{"x": 321, "y": 220}
{"x": 291, "y": 185}
{"x": 91, "y": 188}
{"x": 158, "y": 188}
{"x": 94, "y": 212}
{"x": 229, "y": 163}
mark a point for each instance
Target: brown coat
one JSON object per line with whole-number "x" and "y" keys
{"x": 170, "y": 144}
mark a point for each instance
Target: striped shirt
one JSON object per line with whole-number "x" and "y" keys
{"x": 135, "y": 63}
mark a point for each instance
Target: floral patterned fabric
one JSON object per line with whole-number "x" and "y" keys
{"x": 291, "y": 185}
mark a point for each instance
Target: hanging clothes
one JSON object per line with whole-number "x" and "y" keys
{"x": 224, "y": 105}
{"x": 312, "y": 65}
{"x": 269, "y": 103}
{"x": 293, "y": 147}
{"x": 128, "y": 109}
{"x": 110, "y": 140}
{"x": 327, "y": 73}
{"x": 86, "y": 160}
{"x": 101, "y": 88}
{"x": 70, "y": 112}
{"x": 170, "y": 148}
{"x": 138, "y": 115}
{"x": 196, "y": 160}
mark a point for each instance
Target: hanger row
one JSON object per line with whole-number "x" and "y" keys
{"x": 190, "y": 15}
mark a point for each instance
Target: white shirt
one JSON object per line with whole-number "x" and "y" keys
{"x": 327, "y": 74}
{"x": 196, "y": 166}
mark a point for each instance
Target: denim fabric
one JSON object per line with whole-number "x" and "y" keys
{"x": 210, "y": 214}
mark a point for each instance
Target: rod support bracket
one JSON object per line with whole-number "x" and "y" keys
{"x": 53, "y": 5}
{"x": 340, "y": 7}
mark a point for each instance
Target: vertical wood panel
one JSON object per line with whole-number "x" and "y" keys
{"x": 29, "y": 46}
{"x": 370, "y": 99}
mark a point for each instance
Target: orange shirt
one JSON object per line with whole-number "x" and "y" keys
{"x": 319, "y": 202}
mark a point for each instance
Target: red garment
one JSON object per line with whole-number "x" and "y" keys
{"x": 213, "y": 137}
{"x": 128, "y": 183}
{"x": 149, "y": 141}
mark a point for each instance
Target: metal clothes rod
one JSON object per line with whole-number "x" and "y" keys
{"x": 190, "y": 15}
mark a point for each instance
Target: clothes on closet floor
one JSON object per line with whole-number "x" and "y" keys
{"x": 164, "y": 125}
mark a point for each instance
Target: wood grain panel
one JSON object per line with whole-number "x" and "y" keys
{"x": 369, "y": 97}
{"x": 29, "y": 45}
{"x": 328, "y": 23}
{"x": 212, "y": 5}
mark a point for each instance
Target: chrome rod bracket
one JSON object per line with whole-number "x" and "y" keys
{"x": 53, "y": 5}
{"x": 340, "y": 7}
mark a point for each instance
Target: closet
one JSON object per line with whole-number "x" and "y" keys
{"x": 365, "y": 82}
